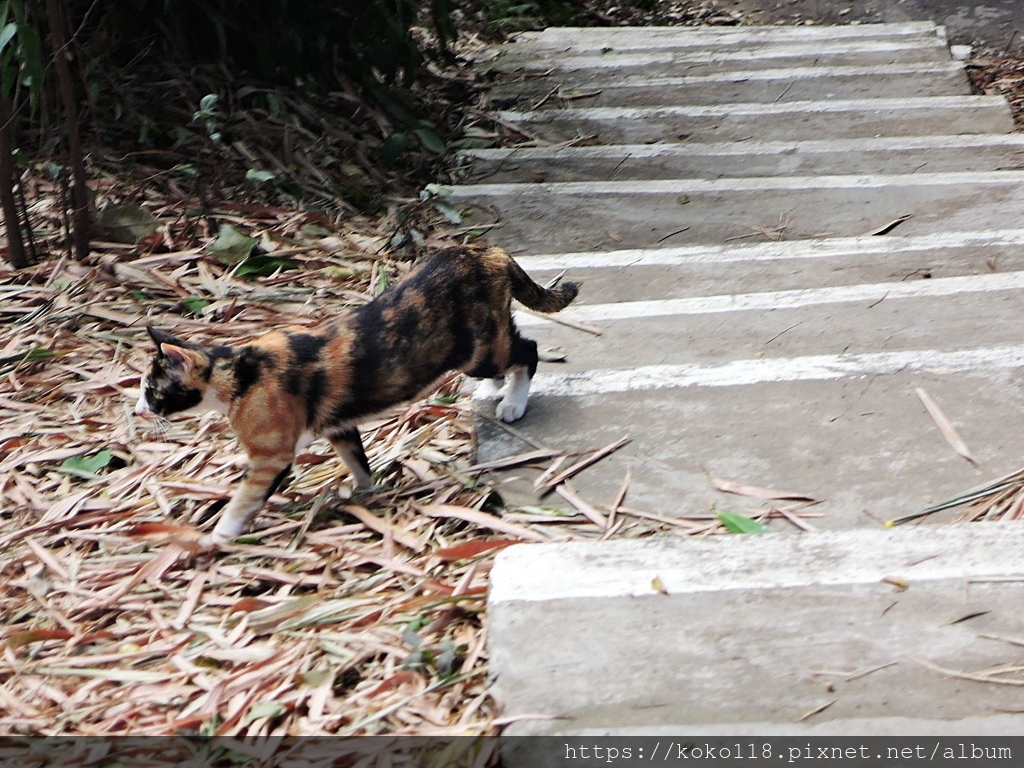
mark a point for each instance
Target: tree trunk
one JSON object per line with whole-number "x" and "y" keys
{"x": 79, "y": 194}
{"x": 12, "y": 222}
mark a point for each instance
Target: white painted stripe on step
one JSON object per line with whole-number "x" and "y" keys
{"x": 817, "y": 106}
{"x": 775, "y": 370}
{"x": 768, "y": 50}
{"x": 713, "y": 149}
{"x": 786, "y": 73}
{"x": 596, "y": 36}
{"x": 624, "y": 567}
{"x": 838, "y": 247}
{"x": 740, "y": 184}
{"x": 792, "y": 299}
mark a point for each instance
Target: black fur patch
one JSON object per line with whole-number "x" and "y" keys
{"x": 249, "y": 366}
{"x": 306, "y": 347}
{"x": 276, "y": 483}
{"x": 352, "y": 439}
{"x": 167, "y": 396}
{"x": 317, "y": 388}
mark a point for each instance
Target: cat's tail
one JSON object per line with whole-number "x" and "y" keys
{"x": 536, "y": 297}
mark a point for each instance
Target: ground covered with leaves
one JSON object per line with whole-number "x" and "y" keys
{"x": 340, "y": 616}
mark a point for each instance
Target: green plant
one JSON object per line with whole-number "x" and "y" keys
{"x": 21, "y": 80}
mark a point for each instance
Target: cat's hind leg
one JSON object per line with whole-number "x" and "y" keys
{"x": 349, "y": 447}
{"x": 516, "y": 393}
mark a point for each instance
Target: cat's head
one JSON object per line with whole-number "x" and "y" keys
{"x": 178, "y": 378}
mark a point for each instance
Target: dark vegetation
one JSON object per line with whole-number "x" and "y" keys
{"x": 328, "y": 106}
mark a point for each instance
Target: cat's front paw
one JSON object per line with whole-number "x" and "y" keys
{"x": 510, "y": 409}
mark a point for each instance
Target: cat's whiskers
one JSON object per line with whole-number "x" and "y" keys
{"x": 159, "y": 426}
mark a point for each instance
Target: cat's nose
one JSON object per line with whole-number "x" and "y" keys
{"x": 142, "y": 407}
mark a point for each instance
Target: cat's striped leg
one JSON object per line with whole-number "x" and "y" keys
{"x": 349, "y": 446}
{"x": 263, "y": 478}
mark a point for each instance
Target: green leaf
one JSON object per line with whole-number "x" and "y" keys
{"x": 207, "y": 108}
{"x": 430, "y": 140}
{"x": 317, "y": 677}
{"x": 195, "y": 304}
{"x": 260, "y": 177}
{"x": 444, "y": 400}
{"x": 86, "y": 466}
{"x": 231, "y": 246}
{"x": 264, "y": 266}
{"x": 7, "y": 34}
{"x": 436, "y": 190}
{"x": 263, "y": 709}
{"x": 449, "y": 211}
{"x": 29, "y": 51}
{"x": 127, "y": 223}
{"x": 739, "y": 524}
{"x": 273, "y": 104}
{"x": 37, "y": 354}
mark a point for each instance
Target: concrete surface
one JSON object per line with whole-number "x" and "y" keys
{"x": 806, "y": 120}
{"x": 592, "y": 70}
{"x": 739, "y": 86}
{"x": 716, "y": 160}
{"x": 791, "y": 365}
{"x": 992, "y": 26}
{"x": 628, "y": 214}
{"x": 752, "y": 634}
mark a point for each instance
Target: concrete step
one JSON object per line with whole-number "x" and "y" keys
{"x": 888, "y": 155}
{"x": 861, "y": 318}
{"x": 842, "y": 427}
{"x": 605, "y": 215}
{"x": 703, "y": 270}
{"x": 793, "y": 121}
{"x": 760, "y": 635}
{"x": 595, "y": 39}
{"x": 595, "y": 67}
{"x": 758, "y": 85}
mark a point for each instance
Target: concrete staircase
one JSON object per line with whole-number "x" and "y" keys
{"x": 782, "y": 232}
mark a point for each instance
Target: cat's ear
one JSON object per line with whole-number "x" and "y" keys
{"x": 185, "y": 358}
{"x": 161, "y": 337}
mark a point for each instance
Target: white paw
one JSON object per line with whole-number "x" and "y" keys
{"x": 511, "y": 409}
{"x": 514, "y": 395}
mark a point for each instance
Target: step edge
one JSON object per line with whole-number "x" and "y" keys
{"x": 752, "y": 147}
{"x": 660, "y": 568}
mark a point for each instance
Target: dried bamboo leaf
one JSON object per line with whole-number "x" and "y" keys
{"x": 482, "y": 519}
{"x": 579, "y": 466}
{"x": 945, "y": 425}
{"x": 757, "y": 492}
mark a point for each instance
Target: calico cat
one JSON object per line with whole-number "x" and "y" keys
{"x": 451, "y": 312}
